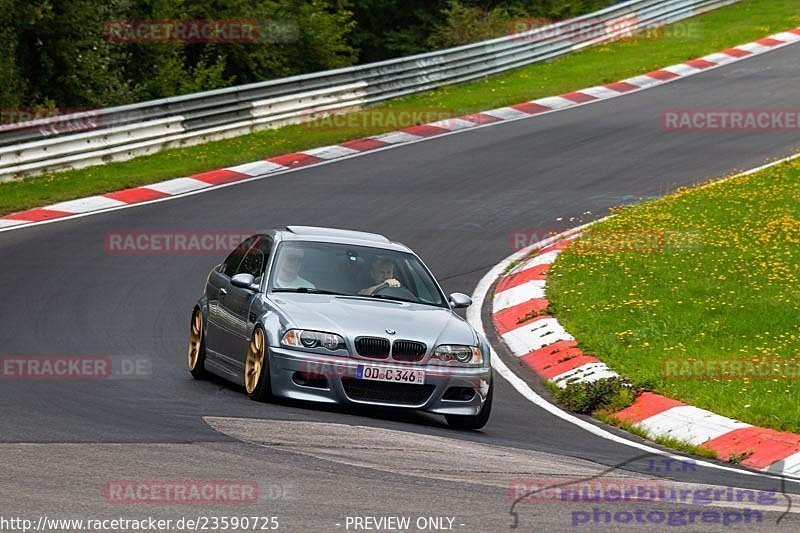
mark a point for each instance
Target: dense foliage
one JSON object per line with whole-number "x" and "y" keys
{"x": 57, "y": 53}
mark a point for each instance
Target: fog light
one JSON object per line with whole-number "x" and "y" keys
{"x": 459, "y": 394}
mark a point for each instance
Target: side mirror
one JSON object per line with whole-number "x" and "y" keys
{"x": 244, "y": 281}
{"x": 459, "y": 300}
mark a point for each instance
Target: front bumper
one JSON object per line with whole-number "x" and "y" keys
{"x": 337, "y": 383}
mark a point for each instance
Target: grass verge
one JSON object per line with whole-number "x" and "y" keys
{"x": 667, "y": 442}
{"x": 698, "y": 295}
{"x": 604, "y": 397}
{"x": 736, "y": 24}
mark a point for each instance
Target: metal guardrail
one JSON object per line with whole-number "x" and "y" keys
{"x": 129, "y": 131}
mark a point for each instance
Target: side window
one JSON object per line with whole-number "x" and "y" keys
{"x": 255, "y": 262}
{"x": 235, "y": 258}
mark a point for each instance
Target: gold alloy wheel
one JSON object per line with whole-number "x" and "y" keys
{"x": 195, "y": 339}
{"x": 255, "y": 361}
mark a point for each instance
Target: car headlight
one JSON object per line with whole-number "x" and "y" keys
{"x": 458, "y": 354}
{"x": 313, "y": 340}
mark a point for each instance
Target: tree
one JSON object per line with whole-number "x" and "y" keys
{"x": 58, "y": 52}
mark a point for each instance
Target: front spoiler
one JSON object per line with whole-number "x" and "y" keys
{"x": 285, "y": 364}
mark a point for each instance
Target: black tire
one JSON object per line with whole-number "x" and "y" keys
{"x": 257, "y": 385}
{"x": 196, "y": 355}
{"x": 470, "y": 422}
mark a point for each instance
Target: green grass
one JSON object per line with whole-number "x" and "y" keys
{"x": 604, "y": 395}
{"x": 668, "y": 442}
{"x": 723, "y": 284}
{"x": 511, "y": 266}
{"x": 712, "y": 32}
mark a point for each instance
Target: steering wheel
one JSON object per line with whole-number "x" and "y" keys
{"x": 397, "y": 292}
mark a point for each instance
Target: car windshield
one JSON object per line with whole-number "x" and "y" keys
{"x": 342, "y": 269}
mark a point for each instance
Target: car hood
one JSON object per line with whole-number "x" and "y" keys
{"x": 353, "y": 317}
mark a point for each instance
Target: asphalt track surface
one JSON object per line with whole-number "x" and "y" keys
{"x": 455, "y": 200}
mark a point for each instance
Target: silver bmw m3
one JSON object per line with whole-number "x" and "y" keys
{"x": 343, "y": 317}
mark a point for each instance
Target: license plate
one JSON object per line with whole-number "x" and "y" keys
{"x": 384, "y": 373}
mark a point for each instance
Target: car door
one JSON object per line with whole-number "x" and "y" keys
{"x": 217, "y": 290}
{"x": 237, "y": 303}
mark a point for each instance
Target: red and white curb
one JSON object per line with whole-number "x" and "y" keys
{"x": 287, "y": 162}
{"x": 538, "y": 339}
{"x": 542, "y": 344}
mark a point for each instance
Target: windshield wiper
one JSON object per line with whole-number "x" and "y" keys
{"x": 397, "y": 299}
{"x": 310, "y": 290}
{"x": 394, "y": 298}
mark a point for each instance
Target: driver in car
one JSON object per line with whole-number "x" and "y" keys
{"x": 382, "y": 273}
{"x": 288, "y": 273}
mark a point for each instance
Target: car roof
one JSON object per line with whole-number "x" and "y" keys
{"x": 343, "y": 236}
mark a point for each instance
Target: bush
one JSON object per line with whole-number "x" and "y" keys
{"x": 608, "y": 394}
{"x": 468, "y": 24}
{"x": 469, "y": 21}
{"x": 57, "y": 51}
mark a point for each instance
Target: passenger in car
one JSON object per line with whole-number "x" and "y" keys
{"x": 288, "y": 276}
